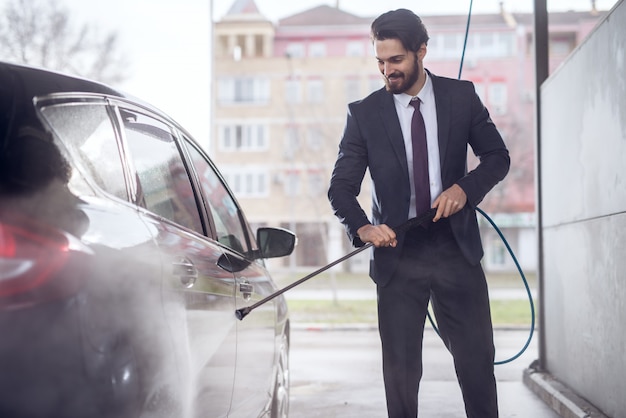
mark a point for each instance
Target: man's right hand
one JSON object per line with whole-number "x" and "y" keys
{"x": 379, "y": 235}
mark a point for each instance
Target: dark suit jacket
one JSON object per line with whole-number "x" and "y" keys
{"x": 373, "y": 139}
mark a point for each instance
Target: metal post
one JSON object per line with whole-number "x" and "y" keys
{"x": 541, "y": 74}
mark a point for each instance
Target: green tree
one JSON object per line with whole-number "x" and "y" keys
{"x": 41, "y": 33}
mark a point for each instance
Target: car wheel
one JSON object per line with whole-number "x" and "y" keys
{"x": 280, "y": 400}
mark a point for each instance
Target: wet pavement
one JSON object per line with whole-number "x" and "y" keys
{"x": 337, "y": 373}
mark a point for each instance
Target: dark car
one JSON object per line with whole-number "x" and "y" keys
{"x": 123, "y": 259}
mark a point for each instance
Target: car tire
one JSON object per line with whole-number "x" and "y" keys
{"x": 280, "y": 398}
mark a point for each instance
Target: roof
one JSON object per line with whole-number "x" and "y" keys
{"x": 243, "y": 7}
{"x": 563, "y": 18}
{"x": 324, "y": 15}
{"x": 461, "y": 20}
{"x": 244, "y": 10}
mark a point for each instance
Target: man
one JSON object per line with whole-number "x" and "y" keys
{"x": 439, "y": 262}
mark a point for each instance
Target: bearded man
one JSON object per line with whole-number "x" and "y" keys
{"x": 413, "y": 136}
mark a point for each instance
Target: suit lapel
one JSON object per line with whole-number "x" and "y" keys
{"x": 392, "y": 128}
{"x": 443, "y": 105}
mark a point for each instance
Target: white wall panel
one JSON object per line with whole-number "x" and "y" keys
{"x": 584, "y": 217}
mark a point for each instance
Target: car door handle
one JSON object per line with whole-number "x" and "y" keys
{"x": 185, "y": 271}
{"x": 246, "y": 289}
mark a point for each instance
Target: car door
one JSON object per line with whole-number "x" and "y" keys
{"x": 256, "y": 334}
{"x": 204, "y": 328}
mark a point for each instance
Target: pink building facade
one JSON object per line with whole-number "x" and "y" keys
{"x": 322, "y": 59}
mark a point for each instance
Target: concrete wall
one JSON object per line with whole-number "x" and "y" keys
{"x": 584, "y": 217}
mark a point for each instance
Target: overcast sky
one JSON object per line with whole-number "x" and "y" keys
{"x": 167, "y": 41}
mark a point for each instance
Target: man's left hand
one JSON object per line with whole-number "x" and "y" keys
{"x": 449, "y": 202}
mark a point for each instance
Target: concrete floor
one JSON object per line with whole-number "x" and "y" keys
{"x": 337, "y": 373}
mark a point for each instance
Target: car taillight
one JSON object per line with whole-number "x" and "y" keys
{"x": 30, "y": 256}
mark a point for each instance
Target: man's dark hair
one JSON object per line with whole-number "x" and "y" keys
{"x": 401, "y": 24}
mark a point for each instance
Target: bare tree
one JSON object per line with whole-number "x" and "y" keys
{"x": 41, "y": 33}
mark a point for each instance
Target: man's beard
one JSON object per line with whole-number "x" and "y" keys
{"x": 408, "y": 80}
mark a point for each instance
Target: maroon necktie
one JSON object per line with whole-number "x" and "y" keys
{"x": 420, "y": 159}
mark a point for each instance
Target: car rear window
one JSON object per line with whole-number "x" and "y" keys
{"x": 86, "y": 131}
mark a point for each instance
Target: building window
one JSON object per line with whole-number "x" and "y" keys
{"x": 352, "y": 90}
{"x": 446, "y": 45}
{"x": 562, "y": 43}
{"x": 247, "y": 90}
{"x": 317, "y": 185}
{"x": 433, "y": 46}
{"x": 492, "y": 44}
{"x": 295, "y": 50}
{"x": 355, "y": 49}
{"x": 497, "y": 98}
{"x": 292, "y": 142}
{"x": 317, "y": 49}
{"x": 484, "y": 41}
{"x": 452, "y": 44}
{"x": 310, "y": 239}
{"x": 292, "y": 183}
{"x": 247, "y": 181}
{"x": 505, "y": 44}
{"x": 314, "y": 138}
{"x": 375, "y": 83}
{"x": 248, "y": 137}
{"x": 293, "y": 91}
{"x": 315, "y": 91}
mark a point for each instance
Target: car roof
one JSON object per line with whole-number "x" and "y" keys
{"x": 19, "y": 84}
{"x": 38, "y": 82}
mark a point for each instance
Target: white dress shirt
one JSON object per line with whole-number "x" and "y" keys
{"x": 429, "y": 113}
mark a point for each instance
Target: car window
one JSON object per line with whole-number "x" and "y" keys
{"x": 163, "y": 182}
{"x": 86, "y": 131}
{"x": 229, "y": 222}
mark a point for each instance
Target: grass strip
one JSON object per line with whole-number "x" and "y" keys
{"x": 503, "y": 312}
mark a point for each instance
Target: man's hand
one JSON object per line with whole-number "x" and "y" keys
{"x": 449, "y": 202}
{"x": 379, "y": 235}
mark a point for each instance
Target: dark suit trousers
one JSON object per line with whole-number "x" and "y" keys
{"x": 433, "y": 268}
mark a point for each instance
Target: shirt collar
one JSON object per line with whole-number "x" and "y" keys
{"x": 404, "y": 99}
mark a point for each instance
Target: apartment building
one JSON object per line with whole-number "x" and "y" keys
{"x": 281, "y": 95}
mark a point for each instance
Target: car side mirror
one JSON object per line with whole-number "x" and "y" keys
{"x": 232, "y": 263}
{"x": 275, "y": 242}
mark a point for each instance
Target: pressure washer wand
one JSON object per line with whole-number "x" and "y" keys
{"x": 411, "y": 223}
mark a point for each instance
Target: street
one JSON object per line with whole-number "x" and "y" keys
{"x": 337, "y": 373}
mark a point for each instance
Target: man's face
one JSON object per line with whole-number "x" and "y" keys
{"x": 400, "y": 68}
